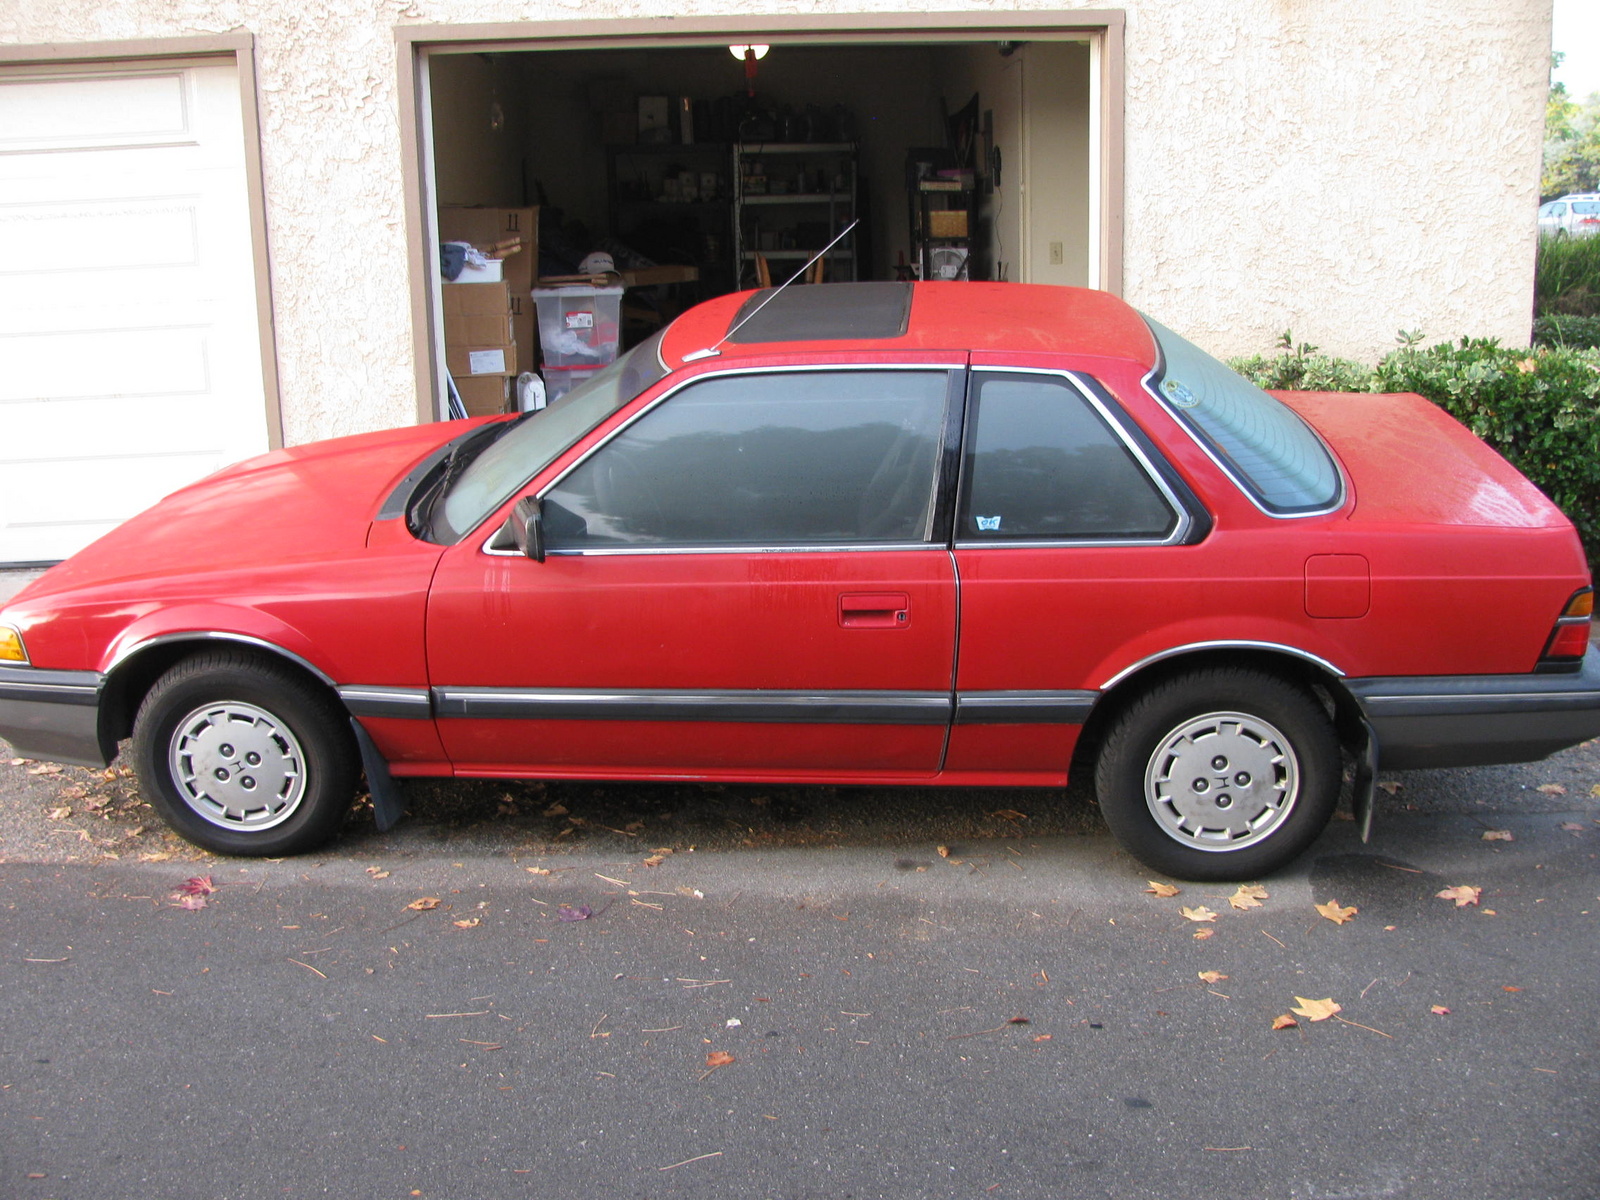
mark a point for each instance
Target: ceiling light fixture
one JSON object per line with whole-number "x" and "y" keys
{"x": 738, "y": 51}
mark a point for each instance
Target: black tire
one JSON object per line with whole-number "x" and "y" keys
{"x": 270, "y": 769}
{"x": 1248, "y": 752}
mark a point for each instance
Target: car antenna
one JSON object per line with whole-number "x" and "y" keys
{"x": 713, "y": 351}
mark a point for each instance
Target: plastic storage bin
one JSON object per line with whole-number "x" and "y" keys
{"x": 579, "y": 328}
{"x": 558, "y": 381}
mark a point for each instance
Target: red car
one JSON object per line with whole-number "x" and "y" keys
{"x": 874, "y": 533}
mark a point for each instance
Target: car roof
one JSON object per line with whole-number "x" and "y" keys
{"x": 844, "y": 317}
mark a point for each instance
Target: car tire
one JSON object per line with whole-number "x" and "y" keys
{"x": 1223, "y": 774}
{"x": 245, "y": 756}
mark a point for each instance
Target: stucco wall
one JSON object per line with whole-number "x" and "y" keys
{"x": 1342, "y": 167}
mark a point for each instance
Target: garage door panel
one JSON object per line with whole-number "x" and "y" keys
{"x": 129, "y": 233}
{"x": 94, "y": 112}
{"x": 129, "y": 339}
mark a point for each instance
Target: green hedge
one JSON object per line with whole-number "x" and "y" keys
{"x": 1567, "y": 332}
{"x": 1539, "y": 408}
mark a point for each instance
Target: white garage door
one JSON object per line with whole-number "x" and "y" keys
{"x": 130, "y": 352}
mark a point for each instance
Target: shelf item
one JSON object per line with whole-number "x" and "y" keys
{"x": 670, "y": 203}
{"x": 789, "y": 200}
{"x": 941, "y": 199}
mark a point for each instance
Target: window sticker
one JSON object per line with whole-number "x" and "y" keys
{"x": 1178, "y": 394}
{"x": 987, "y": 524}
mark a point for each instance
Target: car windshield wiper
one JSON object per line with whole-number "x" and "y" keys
{"x": 419, "y": 514}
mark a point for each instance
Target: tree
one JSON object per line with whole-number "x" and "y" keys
{"x": 1571, "y": 141}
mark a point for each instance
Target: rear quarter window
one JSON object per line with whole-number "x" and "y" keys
{"x": 1265, "y": 447}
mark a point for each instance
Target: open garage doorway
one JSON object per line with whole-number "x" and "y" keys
{"x": 695, "y": 168}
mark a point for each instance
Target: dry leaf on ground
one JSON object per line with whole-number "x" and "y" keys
{"x": 719, "y": 1058}
{"x": 1249, "y": 895}
{"x": 468, "y": 923}
{"x": 1462, "y": 895}
{"x": 1201, "y": 935}
{"x": 1390, "y": 785}
{"x": 377, "y": 872}
{"x": 1198, "y": 913}
{"x": 1572, "y": 826}
{"x": 59, "y": 814}
{"x": 1498, "y": 835}
{"x": 655, "y": 860}
{"x": 1284, "y": 1022}
{"x": 944, "y": 851}
{"x": 537, "y": 870}
{"x": 200, "y": 885}
{"x": 191, "y": 903}
{"x": 1440, "y": 1010}
{"x": 1316, "y": 1010}
{"x": 1552, "y": 789}
{"x": 1211, "y": 976}
{"x": 1334, "y": 913}
{"x": 1157, "y": 888}
{"x": 424, "y": 903}
{"x": 568, "y": 913}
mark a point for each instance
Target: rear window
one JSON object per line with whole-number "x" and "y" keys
{"x": 1586, "y": 206}
{"x": 1262, "y": 444}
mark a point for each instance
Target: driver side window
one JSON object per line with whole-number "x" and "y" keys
{"x": 771, "y": 459}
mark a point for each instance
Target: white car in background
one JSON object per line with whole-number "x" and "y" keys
{"x": 1576, "y": 214}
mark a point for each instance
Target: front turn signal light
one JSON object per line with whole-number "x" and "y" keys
{"x": 11, "y": 646}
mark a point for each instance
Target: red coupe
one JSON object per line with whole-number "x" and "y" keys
{"x": 876, "y": 533}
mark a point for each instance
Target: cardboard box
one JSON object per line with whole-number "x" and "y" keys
{"x": 478, "y": 336}
{"x": 525, "y": 329}
{"x": 486, "y": 226}
{"x": 484, "y": 396}
{"x": 468, "y": 361}
{"x": 951, "y": 224}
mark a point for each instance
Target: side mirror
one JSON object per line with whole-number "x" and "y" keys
{"x": 527, "y": 527}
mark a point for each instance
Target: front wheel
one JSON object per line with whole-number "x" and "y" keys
{"x": 244, "y": 756}
{"x": 1219, "y": 775}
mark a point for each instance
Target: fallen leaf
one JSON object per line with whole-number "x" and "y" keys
{"x": 377, "y": 872}
{"x": 719, "y": 1058}
{"x": 1498, "y": 835}
{"x": 944, "y": 851}
{"x": 633, "y": 827}
{"x": 1595, "y": 790}
{"x": 17, "y": 762}
{"x": 192, "y": 903}
{"x": 1201, "y": 935}
{"x": 469, "y": 923}
{"x": 424, "y": 903}
{"x": 1284, "y": 1022}
{"x": 1043, "y": 1037}
{"x": 1440, "y": 1010}
{"x": 1572, "y": 826}
{"x": 1212, "y": 976}
{"x": 1552, "y": 789}
{"x": 1334, "y": 913}
{"x": 1005, "y": 814}
{"x": 1316, "y": 1010}
{"x": 1019, "y": 1021}
{"x": 537, "y": 870}
{"x": 1462, "y": 895}
{"x": 155, "y": 856}
{"x": 45, "y": 769}
{"x": 568, "y": 913}
{"x": 1249, "y": 895}
{"x": 1509, "y": 988}
{"x": 59, "y": 814}
{"x": 1389, "y": 785}
{"x": 1157, "y": 888}
{"x": 655, "y": 860}
{"x": 200, "y": 885}
{"x": 1198, "y": 913}
{"x": 556, "y": 810}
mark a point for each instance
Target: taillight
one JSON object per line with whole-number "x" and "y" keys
{"x": 1569, "y": 640}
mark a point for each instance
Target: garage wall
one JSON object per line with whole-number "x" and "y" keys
{"x": 1343, "y": 168}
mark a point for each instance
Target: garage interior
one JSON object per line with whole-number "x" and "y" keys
{"x": 705, "y": 170}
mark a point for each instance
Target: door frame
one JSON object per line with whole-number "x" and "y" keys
{"x": 92, "y": 57}
{"x": 1103, "y": 28}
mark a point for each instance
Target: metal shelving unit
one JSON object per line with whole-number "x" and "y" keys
{"x": 789, "y": 199}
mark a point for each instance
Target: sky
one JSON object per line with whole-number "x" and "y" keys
{"x": 1577, "y": 33}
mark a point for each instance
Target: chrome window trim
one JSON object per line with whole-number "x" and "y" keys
{"x": 1185, "y": 520}
{"x": 1190, "y": 647}
{"x": 1148, "y": 383}
{"x": 761, "y": 706}
{"x": 946, "y": 368}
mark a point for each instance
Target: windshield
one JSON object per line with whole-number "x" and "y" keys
{"x": 537, "y": 439}
{"x": 1268, "y": 450}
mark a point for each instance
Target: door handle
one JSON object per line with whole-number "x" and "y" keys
{"x": 874, "y": 610}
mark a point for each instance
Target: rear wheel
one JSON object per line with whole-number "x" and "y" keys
{"x": 1219, "y": 775}
{"x": 244, "y": 756}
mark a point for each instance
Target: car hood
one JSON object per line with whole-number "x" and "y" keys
{"x": 1410, "y": 461}
{"x": 305, "y": 503}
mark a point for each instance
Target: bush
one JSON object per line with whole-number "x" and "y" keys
{"x": 1304, "y": 373}
{"x": 1567, "y": 332}
{"x": 1567, "y": 276}
{"x": 1541, "y": 410}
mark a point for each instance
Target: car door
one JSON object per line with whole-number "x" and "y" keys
{"x": 1061, "y": 508}
{"x": 743, "y": 579}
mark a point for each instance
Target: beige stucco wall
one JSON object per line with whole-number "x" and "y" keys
{"x": 1341, "y": 167}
